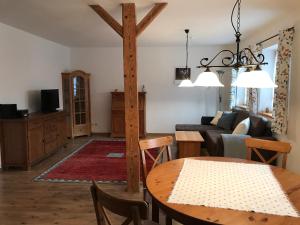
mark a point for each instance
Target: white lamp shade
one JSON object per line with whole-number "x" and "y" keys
{"x": 254, "y": 79}
{"x": 186, "y": 83}
{"x": 208, "y": 79}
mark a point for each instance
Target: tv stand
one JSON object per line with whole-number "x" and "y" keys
{"x": 27, "y": 141}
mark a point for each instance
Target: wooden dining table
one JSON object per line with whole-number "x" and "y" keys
{"x": 161, "y": 180}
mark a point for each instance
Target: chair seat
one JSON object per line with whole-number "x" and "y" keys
{"x": 149, "y": 222}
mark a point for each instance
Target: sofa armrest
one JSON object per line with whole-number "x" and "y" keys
{"x": 205, "y": 120}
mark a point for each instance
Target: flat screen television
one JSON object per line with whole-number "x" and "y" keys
{"x": 49, "y": 100}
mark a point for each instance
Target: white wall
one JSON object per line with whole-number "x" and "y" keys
{"x": 28, "y": 64}
{"x": 293, "y": 135}
{"x": 167, "y": 104}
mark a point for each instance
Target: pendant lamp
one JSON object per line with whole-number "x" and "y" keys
{"x": 186, "y": 82}
{"x": 256, "y": 78}
{"x": 208, "y": 79}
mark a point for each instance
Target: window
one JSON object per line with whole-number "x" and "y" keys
{"x": 265, "y": 95}
{"x": 241, "y": 94}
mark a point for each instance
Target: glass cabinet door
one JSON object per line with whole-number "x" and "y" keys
{"x": 79, "y": 100}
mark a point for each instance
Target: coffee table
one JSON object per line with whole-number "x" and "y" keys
{"x": 188, "y": 143}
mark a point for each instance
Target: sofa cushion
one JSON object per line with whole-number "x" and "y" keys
{"x": 241, "y": 115}
{"x": 221, "y": 131}
{"x": 187, "y": 127}
{"x": 214, "y": 142}
{"x": 205, "y": 120}
{"x": 242, "y": 127}
{"x": 226, "y": 120}
{"x": 216, "y": 118}
{"x": 258, "y": 125}
{"x": 195, "y": 127}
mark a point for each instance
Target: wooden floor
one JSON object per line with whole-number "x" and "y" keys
{"x": 24, "y": 201}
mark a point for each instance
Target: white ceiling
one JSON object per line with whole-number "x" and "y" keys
{"x": 74, "y": 23}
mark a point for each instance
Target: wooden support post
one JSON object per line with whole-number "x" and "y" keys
{"x": 129, "y": 32}
{"x": 131, "y": 96}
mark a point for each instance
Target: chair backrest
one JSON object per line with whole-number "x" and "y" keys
{"x": 281, "y": 148}
{"x": 162, "y": 144}
{"x": 133, "y": 210}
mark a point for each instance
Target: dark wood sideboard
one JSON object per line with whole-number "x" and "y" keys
{"x": 118, "y": 114}
{"x": 27, "y": 141}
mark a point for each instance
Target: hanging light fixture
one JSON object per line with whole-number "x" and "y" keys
{"x": 208, "y": 79}
{"x": 186, "y": 82}
{"x": 254, "y": 77}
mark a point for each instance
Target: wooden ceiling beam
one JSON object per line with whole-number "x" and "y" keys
{"x": 108, "y": 19}
{"x": 151, "y": 15}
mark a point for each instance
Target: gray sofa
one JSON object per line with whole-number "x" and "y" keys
{"x": 212, "y": 135}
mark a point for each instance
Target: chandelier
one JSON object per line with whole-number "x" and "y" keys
{"x": 252, "y": 77}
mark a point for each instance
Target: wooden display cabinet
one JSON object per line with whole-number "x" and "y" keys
{"x": 76, "y": 98}
{"x": 118, "y": 114}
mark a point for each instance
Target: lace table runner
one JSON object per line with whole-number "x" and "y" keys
{"x": 239, "y": 186}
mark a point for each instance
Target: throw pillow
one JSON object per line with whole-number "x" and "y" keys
{"x": 226, "y": 120}
{"x": 257, "y": 126}
{"x": 242, "y": 127}
{"x": 216, "y": 118}
{"x": 241, "y": 115}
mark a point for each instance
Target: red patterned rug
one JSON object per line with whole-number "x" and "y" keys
{"x": 103, "y": 161}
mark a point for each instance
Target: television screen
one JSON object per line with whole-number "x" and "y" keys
{"x": 8, "y": 111}
{"x": 49, "y": 100}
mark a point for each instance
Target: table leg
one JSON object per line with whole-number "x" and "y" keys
{"x": 168, "y": 220}
{"x": 155, "y": 211}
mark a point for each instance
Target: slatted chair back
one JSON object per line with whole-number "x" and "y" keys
{"x": 281, "y": 148}
{"x": 162, "y": 144}
{"x": 134, "y": 211}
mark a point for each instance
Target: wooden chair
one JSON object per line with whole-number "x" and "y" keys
{"x": 134, "y": 211}
{"x": 163, "y": 145}
{"x": 281, "y": 148}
